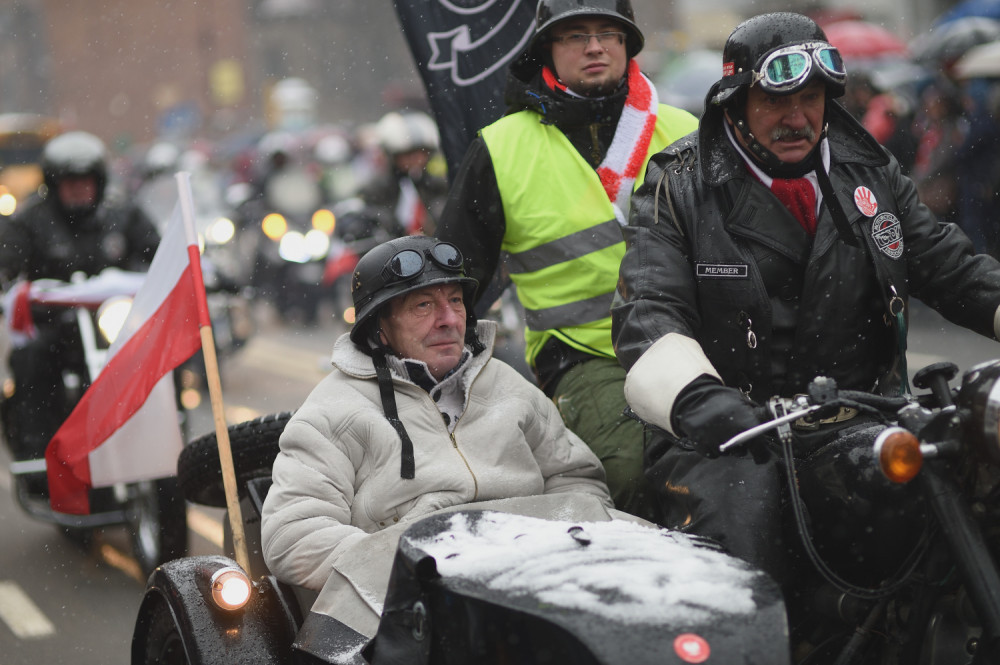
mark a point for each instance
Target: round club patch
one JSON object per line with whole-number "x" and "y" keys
{"x": 864, "y": 198}
{"x": 888, "y": 235}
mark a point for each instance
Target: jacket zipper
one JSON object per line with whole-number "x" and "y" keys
{"x": 595, "y": 145}
{"x": 475, "y": 481}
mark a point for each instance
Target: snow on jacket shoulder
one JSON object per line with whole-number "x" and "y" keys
{"x": 337, "y": 475}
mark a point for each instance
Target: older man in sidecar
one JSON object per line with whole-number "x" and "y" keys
{"x": 416, "y": 417}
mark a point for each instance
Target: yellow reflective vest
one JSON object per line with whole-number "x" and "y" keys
{"x": 563, "y": 242}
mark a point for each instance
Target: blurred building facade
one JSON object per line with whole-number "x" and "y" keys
{"x": 133, "y": 71}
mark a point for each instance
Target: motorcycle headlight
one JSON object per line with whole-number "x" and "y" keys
{"x": 8, "y": 202}
{"x": 323, "y": 220}
{"x": 220, "y": 231}
{"x": 274, "y": 226}
{"x": 317, "y": 244}
{"x": 293, "y": 247}
{"x": 111, "y": 316}
{"x": 979, "y": 400}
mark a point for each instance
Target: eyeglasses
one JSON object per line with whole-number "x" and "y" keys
{"x": 788, "y": 68}
{"x": 409, "y": 263}
{"x": 580, "y": 40}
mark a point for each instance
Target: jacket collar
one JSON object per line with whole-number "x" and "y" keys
{"x": 525, "y": 90}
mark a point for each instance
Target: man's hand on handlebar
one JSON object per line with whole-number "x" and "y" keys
{"x": 709, "y": 414}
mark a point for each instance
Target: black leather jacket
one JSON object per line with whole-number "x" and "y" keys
{"x": 723, "y": 262}
{"x": 40, "y": 242}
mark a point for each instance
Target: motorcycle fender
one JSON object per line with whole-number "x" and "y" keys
{"x": 261, "y": 632}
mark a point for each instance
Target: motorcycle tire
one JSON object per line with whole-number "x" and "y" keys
{"x": 162, "y": 643}
{"x": 157, "y": 523}
{"x": 254, "y": 444}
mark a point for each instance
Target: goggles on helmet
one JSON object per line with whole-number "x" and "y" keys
{"x": 789, "y": 68}
{"x": 408, "y": 263}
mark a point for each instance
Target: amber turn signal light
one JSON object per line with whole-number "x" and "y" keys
{"x": 899, "y": 456}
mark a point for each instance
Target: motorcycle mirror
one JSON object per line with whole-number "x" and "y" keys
{"x": 899, "y": 454}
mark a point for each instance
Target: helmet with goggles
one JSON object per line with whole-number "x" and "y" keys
{"x": 400, "y": 266}
{"x": 781, "y": 53}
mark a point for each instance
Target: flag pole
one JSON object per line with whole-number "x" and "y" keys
{"x": 214, "y": 383}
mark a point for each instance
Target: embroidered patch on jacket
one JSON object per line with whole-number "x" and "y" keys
{"x": 722, "y": 271}
{"x": 888, "y": 235}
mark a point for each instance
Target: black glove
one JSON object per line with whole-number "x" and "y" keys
{"x": 708, "y": 414}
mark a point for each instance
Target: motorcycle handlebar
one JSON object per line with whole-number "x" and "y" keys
{"x": 805, "y": 407}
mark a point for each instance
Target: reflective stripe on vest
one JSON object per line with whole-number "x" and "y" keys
{"x": 563, "y": 242}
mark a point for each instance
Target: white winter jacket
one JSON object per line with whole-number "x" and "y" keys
{"x": 337, "y": 476}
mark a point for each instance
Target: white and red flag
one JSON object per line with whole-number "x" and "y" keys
{"x": 125, "y": 428}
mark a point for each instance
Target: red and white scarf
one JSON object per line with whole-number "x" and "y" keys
{"x": 627, "y": 153}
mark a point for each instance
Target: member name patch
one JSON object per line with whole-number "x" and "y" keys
{"x": 888, "y": 235}
{"x": 721, "y": 270}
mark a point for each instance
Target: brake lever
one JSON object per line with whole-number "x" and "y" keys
{"x": 784, "y": 419}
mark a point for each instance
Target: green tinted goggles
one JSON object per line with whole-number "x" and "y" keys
{"x": 789, "y": 68}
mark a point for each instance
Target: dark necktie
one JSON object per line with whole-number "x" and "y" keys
{"x": 799, "y": 197}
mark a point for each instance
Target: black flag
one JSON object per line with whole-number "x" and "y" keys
{"x": 462, "y": 49}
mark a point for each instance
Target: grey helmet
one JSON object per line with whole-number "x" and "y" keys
{"x": 75, "y": 154}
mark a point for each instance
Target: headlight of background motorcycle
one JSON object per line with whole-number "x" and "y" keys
{"x": 274, "y": 226}
{"x": 299, "y": 248}
{"x": 220, "y": 231}
{"x": 324, "y": 220}
{"x": 111, "y": 316}
{"x": 979, "y": 397}
{"x": 8, "y": 203}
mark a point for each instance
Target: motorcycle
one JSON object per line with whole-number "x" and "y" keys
{"x": 291, "y": 229}
{"x": 544, "y": 579}
{"x": 81, "y": 318}
{"x": 900, "y": 536}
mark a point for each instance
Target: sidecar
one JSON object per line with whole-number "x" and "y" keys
{"x": 550, "y": 579}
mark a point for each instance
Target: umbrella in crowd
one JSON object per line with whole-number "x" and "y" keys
{"x": 985, "y": 8}
{"x": 981, "y": 61}
{"x": 863, "y": 40}
{"x": 946, "y": 42}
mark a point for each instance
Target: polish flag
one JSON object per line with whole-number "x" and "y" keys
{"x": 125, "y": 428}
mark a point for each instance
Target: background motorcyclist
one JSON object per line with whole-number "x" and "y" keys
{"x": 69, "y": 227}
{"x": 410, "y": 192}
{"x": 412, "y": 384}
{"x": 757, "y": 274}
{"x": 548, "y": 185}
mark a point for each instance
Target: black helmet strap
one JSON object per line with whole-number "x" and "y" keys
{"x": 407, "y": 464}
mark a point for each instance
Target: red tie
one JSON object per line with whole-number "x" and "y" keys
{"x": 799, "y": 197}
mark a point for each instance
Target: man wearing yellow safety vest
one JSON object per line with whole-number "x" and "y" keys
{"x": 548, "y": 186}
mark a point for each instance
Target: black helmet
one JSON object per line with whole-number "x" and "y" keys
{"x": 550, "y": 12}
{"x": 75, "y": 154}
{"x": 400, "y": 266}
{"x": 781, "y": 52}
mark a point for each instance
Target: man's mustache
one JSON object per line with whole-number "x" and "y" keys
{"x": 789, "y": 134}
